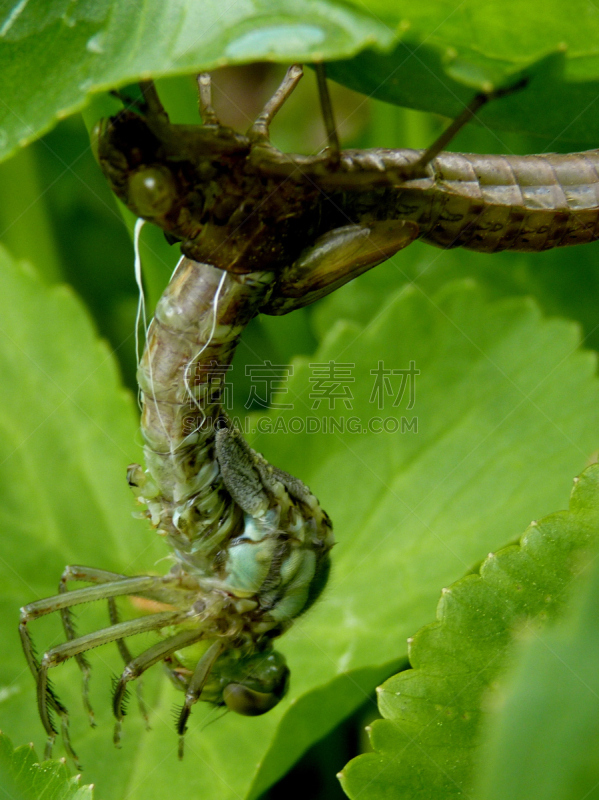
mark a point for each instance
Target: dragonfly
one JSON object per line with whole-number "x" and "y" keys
{"x": 263, "y": 231}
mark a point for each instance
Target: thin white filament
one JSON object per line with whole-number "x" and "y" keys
{"x": 202, "y": 349}
{"x": 150, "y": 369}
{"x": 140, "y": 317}
{"x": 176, "y": 268}
{"x": 141, "y": 302}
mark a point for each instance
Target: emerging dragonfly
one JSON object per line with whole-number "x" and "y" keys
{"x": 251, "y": 542}
{"x": 264, "y": 232}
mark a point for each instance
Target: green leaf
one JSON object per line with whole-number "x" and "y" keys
{"x": 413, "y": 512}
{"x": 54, "y": 56}
{"x": 23, "y": 777}
{"x": 449, "y": 50}
{"x": 427, "y": 744}
{"x": 554, "y": 278}
{"x": 543, "y": 734}
{"x": 505, "y": 404}
{"x": 67, "y": 433}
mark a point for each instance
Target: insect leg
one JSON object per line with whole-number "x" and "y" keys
{"x": 259, "y": 129}
{"x": 141, "y": 584}
{"x": 74, "y": 573}
{"x": 154, "y": 107}
{"x": 48, "y": 605}
{"x": 126, "y": 655}
{"x": 141, "y": 663}
{"x": 94, "y": 575}
{"x": 52, "y": 701}
{"x": 194, "y": 689}
{"x": 62, "y": 652}
{"x": 327, "y": 113}
{"x": 458, "y": 123}
{"x": 207, "y": 112}
{"x": 336, "y": 258}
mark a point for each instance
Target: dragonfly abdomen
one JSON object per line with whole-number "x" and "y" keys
{"x": 191, "y": 343}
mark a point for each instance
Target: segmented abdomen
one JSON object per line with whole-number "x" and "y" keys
{"x": 191, "y": 343}
{"x": 491, "y": 203}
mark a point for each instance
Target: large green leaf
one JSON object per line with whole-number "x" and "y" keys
{"x": 505, "y": 405}
{"x": 544, "y": 734}
{"x": 564, "y": 282}
{"x": 427, "y": 745}
{"x": 22, "y": 777}
{"x": 449, "y": 46}
{"x": 53, "y": 56}
{"x": 413, "y": 512}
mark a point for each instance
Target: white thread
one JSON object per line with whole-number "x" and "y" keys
{"x": 141, "y": 302}
{"x": 201, "y": 350}
{"x": 176, "y": 268}
{"x": 141, "y": 315}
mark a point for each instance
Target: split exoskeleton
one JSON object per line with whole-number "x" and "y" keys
{"x": 264, "y": 232}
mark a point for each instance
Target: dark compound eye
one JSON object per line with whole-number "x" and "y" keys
{"x": 152, "y": 191}
{"x": 248, "y": 702}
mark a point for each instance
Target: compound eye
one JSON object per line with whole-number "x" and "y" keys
{"x": 152, "y": 191}
{"x": 248, "y": 702}
{"x": 98, "y": 132}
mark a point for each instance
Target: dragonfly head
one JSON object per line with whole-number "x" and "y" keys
{"x": 133, "y": 160}
{"x": 248, "y": 684}
{"x": 166, "y": 173}
{"x": 197, "y": 184}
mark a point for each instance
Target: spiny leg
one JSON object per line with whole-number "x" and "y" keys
{"x": 259, "y": 129}
{"x": 62, "y": 652}
{"x": 127, "y": 656}
{"x": 140, "y": 664}
{"x": 52, "y": 701}
{"x": 327, "y": 113}
{"x": 75, "y": 573}
{"x": 98, "y": 576}
{"x": 138, "y": 585}
{"x": 207, "y": 112}
{"x": 194, "y": 688}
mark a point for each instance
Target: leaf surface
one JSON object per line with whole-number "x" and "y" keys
{"x": 427, "y": 745}
{"x": 431, "y": 55}
{"x": 505, "y": 403}
{"x": 543, "y": 733}
{"x": 412, "y": 510}
{"x": 53, "y": 57}
{"x": 23, "y": 777}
